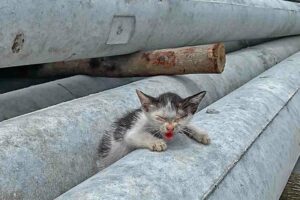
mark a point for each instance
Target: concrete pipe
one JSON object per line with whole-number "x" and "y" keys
{"x": 45, "y": 153}
{"x": 9, "y": 84}
{"x": 49, "y": 31}
{"x": 240, "y": 44}
{"x": 37, "y": 97}
{"x": 23, "y": 101}
{"x": 255, "y": 145}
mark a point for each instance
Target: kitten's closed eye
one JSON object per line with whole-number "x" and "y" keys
{"x": 160, "y": 118}
{"x": 163, "y": 119}
{"x": 178, "y": 118}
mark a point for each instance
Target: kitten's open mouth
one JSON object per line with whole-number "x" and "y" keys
{"x": 169, "y": 135}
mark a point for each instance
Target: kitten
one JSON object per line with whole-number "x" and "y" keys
{"x": 151, "y": 126}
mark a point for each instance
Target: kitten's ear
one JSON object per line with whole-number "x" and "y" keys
{"x": 146, "y": 100}
{"x": 191, "y": 103}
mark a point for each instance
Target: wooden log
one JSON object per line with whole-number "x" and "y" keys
{"x": 186, "y": 60}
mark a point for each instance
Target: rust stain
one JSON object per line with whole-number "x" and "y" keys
{"x": 166, "y": 59}
{"x": 146, "y": 56}
{"x": 188, "y": 50}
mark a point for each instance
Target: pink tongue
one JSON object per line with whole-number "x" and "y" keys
{"x": 169, "y": 135}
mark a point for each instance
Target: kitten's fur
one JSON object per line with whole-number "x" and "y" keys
{"x": 145, "y": 127}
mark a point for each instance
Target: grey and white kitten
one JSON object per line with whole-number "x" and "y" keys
{"x": 147, "y": 126}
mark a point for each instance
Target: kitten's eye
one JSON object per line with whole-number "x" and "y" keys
{"x": 160, "y": 118}
{"x": 180, "y": 117}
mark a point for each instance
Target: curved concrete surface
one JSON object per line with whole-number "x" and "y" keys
{"x": 45, "y": 153}
{"x": 87, "y": 29}
{"x": 255, "y": 145}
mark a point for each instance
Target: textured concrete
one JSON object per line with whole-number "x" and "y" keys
{"x": 240, "y": 44}
{"x": 263, "y": 171}
{"x": 45, "y": 153}
{"x": 86, "y": 29}
{"x": 41, "y": 96}
{"x": 36, "y": 97}
{"x": 255, "y": 144}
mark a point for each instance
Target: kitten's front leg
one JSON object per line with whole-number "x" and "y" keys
{"x": 139, "y": 140}
{"x": 196, "y": 134}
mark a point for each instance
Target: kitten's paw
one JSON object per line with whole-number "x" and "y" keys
{"x": 202, "y": 138}
{"x": 159, "y": 145}
{"x": 205, "y": 139}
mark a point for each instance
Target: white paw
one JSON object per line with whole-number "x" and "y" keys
{"x": 202, "y": 138}
{"x": 205, "y": 139}
{"x": 159, "y": 145}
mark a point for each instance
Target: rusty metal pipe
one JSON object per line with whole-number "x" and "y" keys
{"x": 186, "y": 60}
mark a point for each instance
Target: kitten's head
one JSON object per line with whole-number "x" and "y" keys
{"x": 169, "y": 112}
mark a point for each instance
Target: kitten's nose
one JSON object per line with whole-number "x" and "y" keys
{"x": 170, "y": 127}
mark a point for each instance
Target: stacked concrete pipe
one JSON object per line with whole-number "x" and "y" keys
{"x": 255, "y": 145}
{"x": 47, "y": 152}
{"x": 237, "y": 45}
{"x": 9, "y": 84}
{"x": 112, "y": 27}
{"x": 21, "y": 99}
{"x": 37, "y": 97}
